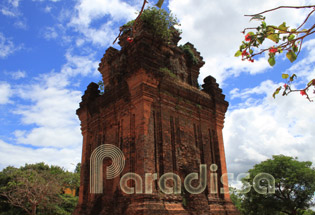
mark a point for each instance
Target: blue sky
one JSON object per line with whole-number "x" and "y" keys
{"x": 50, "y": 51}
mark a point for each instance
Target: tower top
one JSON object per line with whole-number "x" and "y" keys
{"x": 152, "y": 51}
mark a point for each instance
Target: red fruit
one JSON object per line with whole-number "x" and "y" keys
{"x": 313, "y": 81}
{"x": 244, "y": 53}
{"x": 129, "y": 39}
{"x": 273, "y": 50}
{"x": 285, "y": 86}
{"x": 302, "y": 92}
{"x": 252, "y": 60}
{"x": 248, "y": 37}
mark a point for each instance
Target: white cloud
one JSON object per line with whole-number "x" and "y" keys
{"x": 246, "y": 93}
{"x": 52, "y": 111}
{"x": 21, "y": 24}
{"x": 58, "y": 137}
{"x": 57, "y": 32}
{"x": 255, "y": 132}
{"x": 17, "y": 75}
{"x": 52, "y": 105}
{"x": 46, "y": 0}
{"x": 10, "y": 8}
{"x": 50, "y": 33}
{"x": 304, "y": 68}
{"x": 220, "y": 69}
{"x": 48, "y": 9}
{"x": 18, "y": 156}
{"x": 102, "y": 36}
{"x": 80, "y": 65}
{"x": 88, "y": 12}
{"x": 7, "y": 47}
{"x": 5, "y": 92}
{"x": 14, "y": 3}
{"x": 7, "y": 12}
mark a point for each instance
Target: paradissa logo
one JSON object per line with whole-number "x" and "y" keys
{"x": 118, "y": 164}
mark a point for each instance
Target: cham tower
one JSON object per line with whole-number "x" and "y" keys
{"x": 154, "y": 111}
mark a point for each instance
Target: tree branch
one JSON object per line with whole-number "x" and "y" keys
{"x": 134, "y": 24}
{"x": 308, "y": 16}
{"x": 281, "y": 7}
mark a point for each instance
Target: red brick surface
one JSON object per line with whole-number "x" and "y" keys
{"x": 162, "y": 123}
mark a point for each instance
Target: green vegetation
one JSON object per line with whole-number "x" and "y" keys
{"x": 128, "y": 25}
{"x": 168, "y": 72}
{"x": 158, "y": 21}
{"x": 101, "y": 86}
{"x": 189, "y": 53}
{"x": 38, "y": 189}
{"x": 294, "y": 188}
{"x": 287, "y": 40}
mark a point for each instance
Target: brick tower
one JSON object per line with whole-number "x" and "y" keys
{"x": 154, "y": 111}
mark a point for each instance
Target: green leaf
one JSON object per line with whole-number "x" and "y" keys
{"x": 160, "y": 3}
{"x": 276, "y": 92}
{"x": 251, "y": 51}
{"x": 291, "y": 56}
{"x": 257, "y": 17}
{"x": 271, "y": 61}
{"x": 285, "y": 76}
{"x": 295, "y": 48}
{"x": 292, "y": 77}
{"x": 312, "y": 82}
{"x": 251, "y": 33}
{"x": 238, "y": 53}
{"x": 293, "y": 30}
{"x": 270, "y": 29}
{"x": 274, "y": 37}
{"x": 291, "y": 37}
{"x": 260, "y": 40}
{"x": 283, "y": 28}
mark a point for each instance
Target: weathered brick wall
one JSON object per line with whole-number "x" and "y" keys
{"x": 161, "y": 121}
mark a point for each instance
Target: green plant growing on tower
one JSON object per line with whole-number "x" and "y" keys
{"x": 168, "y": 72}
{"x": 157, "y": 21}
{"x": 189, "y": 53}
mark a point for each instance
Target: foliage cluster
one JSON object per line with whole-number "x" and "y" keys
{"x": 287, "y": 40}
{"x": 168, "y": 72}
{"x": 101, "y": 87}
{"x": 37, "y": 189}
{"x": 158, "y": 21}
{"x": 287, "y": 87}
{"x": 189, "y": 53}
{"x": 294, "y": 188}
